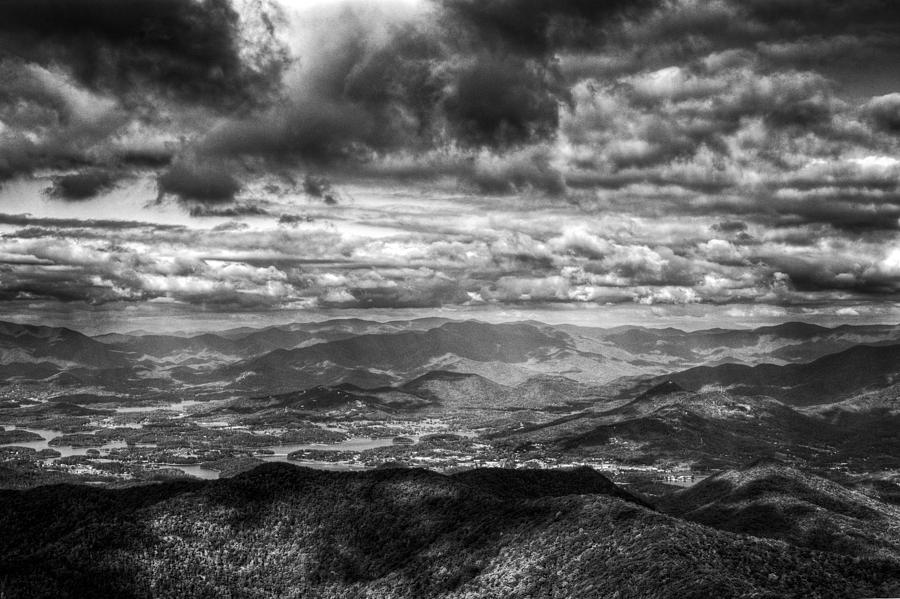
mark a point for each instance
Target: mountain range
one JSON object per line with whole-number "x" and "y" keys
{"x": 630, "y": 393}
{"x": 825, "y": 380}
{"x": 370, "y": 354}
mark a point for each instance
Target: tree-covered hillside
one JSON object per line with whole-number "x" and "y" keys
{"x": 282, "y": 531}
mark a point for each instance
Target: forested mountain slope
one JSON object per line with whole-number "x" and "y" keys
{"x": 281, "y": 531}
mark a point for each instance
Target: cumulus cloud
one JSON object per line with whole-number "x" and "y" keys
{"x": 517, "y": 172}
{"x": 453, "y": 151}
{"x": 86, "y": 83}
{"x": 191, "y": 51}
{"x": 369, "y": 81}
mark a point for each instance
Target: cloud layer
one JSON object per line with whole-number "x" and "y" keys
{"x": 451, "y": 152}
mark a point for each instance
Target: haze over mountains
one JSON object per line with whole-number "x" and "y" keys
{"x": 335, "y": 351}
{"x": 824, "y": 380}
{"x": 710, "y": 397}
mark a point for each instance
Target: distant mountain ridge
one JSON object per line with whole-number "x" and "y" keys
{"x": 825, "y": 380}
{"x": 786, "y": 342}
{"x": 53, "y": 344}
{"x": 400, "y": 355}
{"x": 369, "y": 354}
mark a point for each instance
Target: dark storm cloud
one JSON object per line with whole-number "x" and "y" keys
{"x": 538, "y": 27}
{"x": 676, "y": 151}
{"x": 479, "y": 75}
{"x": 17, "y": 155}
{"x": 145, "y": 157}
{"x": 730, "y": 226}
{"x": 90, "y": 83}
{"x": 201, "y": 182}
{"x": 48, "y": 122}
{"x": 188, "y": 51}
{"x": 60, "y": 288}
{"x": 229, "y": 212}
{"x": 834, "y": 273}
{"x": 82, "y": 186}
{"x": 352, "y": 90}
{"x": 314, "y": 133}
{"x": 499, "y": 102}
{"x": 884, "y": 112}
{"x": 356, "y": 96}
{"x": 26, "y": 220}
{"x": 826, "y": 17}
{"x": 847, "y": 216}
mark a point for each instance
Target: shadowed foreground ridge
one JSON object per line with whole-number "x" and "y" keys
{"x": 770, "y": 499}
{"x": 285, "y": 531}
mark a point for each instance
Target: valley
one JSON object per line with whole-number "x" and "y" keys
{"x": 639, "y": 404}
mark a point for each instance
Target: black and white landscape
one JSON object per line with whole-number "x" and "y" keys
{"x": 439, "y": 457}
{"x": 449, "y": 298}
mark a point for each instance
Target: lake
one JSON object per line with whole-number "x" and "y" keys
{"x": 180, "y": 406}
{"x": 48, "y": 435}
{"x": 280, "y": 452}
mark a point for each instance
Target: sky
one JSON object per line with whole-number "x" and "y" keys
{"x": 722, "y": 162}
